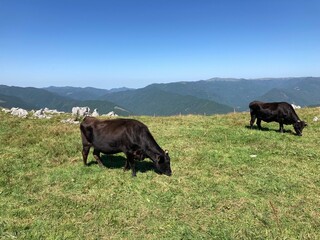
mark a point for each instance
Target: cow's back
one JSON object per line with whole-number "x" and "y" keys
{"x": 272, "y": 107}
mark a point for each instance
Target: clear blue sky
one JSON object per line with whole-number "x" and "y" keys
{"x": 133, "y": 43}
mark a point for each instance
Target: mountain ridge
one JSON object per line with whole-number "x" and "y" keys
{"x": 212, "y": 96}
{"x": 36, "y": 98}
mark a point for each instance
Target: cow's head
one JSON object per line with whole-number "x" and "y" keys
{"x": 299, "y": 126}
{"x": 163, "y": 163}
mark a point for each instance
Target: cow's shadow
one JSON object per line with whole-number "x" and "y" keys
{"x": 262, "y": 128}
{"x": 267, "y": 129}
{"x": 116, "y": 162}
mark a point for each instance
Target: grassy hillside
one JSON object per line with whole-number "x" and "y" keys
{"x": 229, "y": 182}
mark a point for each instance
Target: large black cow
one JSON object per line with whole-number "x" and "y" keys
{"x": 280, "y": 112}
{"x": 129, "y": 136}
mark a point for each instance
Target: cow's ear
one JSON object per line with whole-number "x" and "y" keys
{"x": 166, "y": 152}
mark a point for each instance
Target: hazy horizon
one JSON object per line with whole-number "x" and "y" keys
{"x": 210, "y": 79}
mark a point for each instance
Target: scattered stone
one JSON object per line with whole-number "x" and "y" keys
{"x": 295, "y": 106}
{"x": 80, "y": 111}
{"x": 70, "y": 121}
{"x": 110, "y": 114}
{"x": 95, "y": 113}
{"x": 39, "y": 114}
{"x": 315, "y": 119}
{"x": 6, "y": 110}
{"x": 19, "y": 112}
{"x": 52, "y": 111}
{"x": 47, "y": 113}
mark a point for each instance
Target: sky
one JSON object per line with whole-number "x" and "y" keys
{"x": 133, "y": 43}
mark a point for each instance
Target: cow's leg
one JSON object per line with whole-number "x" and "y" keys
{"x": 126, "y": 166}
{"x": 281, "y": 129}
{"x": 131, "y": 162}
{"x": 253, "y": 118}
{"x": 259, "y": 123}
{"x": 85, "y": 152}
{"x": 96, "y": 154}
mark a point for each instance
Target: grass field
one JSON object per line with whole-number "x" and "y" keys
{"x": 228, "y": 182}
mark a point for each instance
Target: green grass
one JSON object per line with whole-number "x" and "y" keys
{"x": 218, "y": 189}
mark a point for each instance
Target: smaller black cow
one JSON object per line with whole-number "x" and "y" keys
{"x": 129, "y": 136}
{"x": 281, "y": 112}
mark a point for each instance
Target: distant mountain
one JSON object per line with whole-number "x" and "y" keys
{"x": 305, "y": 92}
{"x": 153, "y": 101}
{"x": 87, "y": 93}
{"x": 210, "y": 96}
{"x": 238, "y": 93}
{"x": 145, "y": 101}
{"x": 234, "y": 93}
{"x": 36, "y": 98}
{"x": 12, "y": 101}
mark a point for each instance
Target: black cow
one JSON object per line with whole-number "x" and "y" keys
{"x": 280, "y": 112}
{"x": 129, "y": 136}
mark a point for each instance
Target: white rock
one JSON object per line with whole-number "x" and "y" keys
{"x": 111, "y": 114}
{"x": 80, "y": 111}
{"x": 95, "y": 113}
{"x": 19, "y": 112}
{"x": 295, "y": 106}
